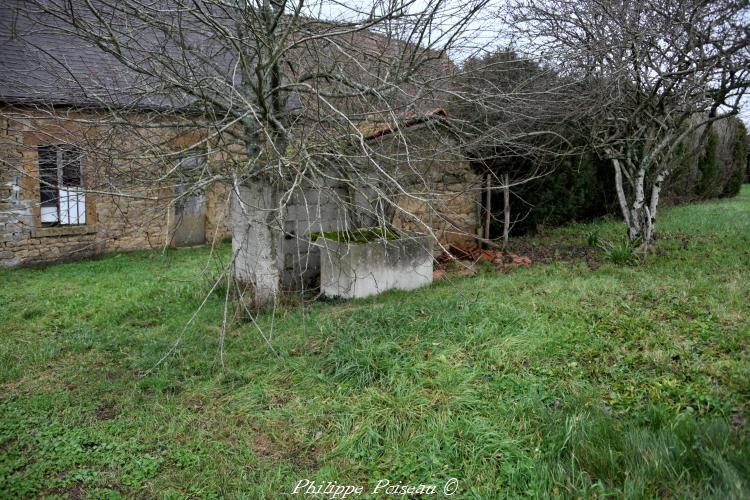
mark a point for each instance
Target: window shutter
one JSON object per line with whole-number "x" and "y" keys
{"x": 48, "y": 175}
{"x": 71, "y": 166}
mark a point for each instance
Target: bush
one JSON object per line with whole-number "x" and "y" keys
{"x": 582, "y": 189}
{"x": 623, "y": 253}
{"x": 709, "y": 168}
{"x": 718, "y": 169}
{"x": 740, "y": 161}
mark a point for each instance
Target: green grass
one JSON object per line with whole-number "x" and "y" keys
{"x": 556, "y": 380}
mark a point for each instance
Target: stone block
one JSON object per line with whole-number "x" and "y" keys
{"x": 352, "y": 270}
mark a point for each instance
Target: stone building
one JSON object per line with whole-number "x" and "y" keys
{"x": 441, "y": 196}
{"x": 60, "y": 196}
{"x": 58, "y": 199}
{"x": 86, "y": 216}
{"x": 83, "y": 219}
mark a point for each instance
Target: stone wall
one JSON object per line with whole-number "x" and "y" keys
{"x": 15, "y": 210}
{"x": 451, "y": 209}
{"x": 140, "y": 220}
{"x": 217, "y": 212}
{"x": 443, "y": 192}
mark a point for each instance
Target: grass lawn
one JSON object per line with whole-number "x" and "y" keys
{"x": 556, "y": 380}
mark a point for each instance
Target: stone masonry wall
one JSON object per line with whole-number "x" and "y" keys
{"x": 113, "y": 223}
{"x": 15, "y": 211}
{"x": 446, "y": 198}
{"x": 452, "y": 209}
{"x": 217, "y": 212}
{"x": 443, "y": 191}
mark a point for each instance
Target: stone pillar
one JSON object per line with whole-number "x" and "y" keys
{"x": 256, "y": 240}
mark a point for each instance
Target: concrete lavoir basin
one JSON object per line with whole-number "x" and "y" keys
{"x": 351, "y": 269}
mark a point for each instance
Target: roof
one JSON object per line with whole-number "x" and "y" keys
{"x": 373, "y": 130}
{"x": 32, "y": 63}
{"x": 41, "y": 63}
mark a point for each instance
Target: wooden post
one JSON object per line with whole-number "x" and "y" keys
{"x": 506, "y": 209}
{"x": 488, "y": 206}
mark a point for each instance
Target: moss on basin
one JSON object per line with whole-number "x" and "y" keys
{"x": 357, "y": 235}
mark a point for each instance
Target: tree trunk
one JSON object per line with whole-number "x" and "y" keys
{"x": 655, "y": 192}
{"x": 641, "y": 224}
{"x": 639, "y": 216}
{"x": 255, "y": 242}
{"x": 621, "y": 191}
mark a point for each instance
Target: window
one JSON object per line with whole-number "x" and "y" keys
{"x": 63, "y": 202}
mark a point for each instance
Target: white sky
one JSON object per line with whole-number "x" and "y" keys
{"x": 481, "y": 33}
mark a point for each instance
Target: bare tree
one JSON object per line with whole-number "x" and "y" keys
{"x": 279, "y": 104}
{"x": 651, "y": 72}
{"x": 518, "y": 120}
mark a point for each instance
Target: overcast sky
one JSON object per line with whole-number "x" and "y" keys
{"x": 481, "y": 34}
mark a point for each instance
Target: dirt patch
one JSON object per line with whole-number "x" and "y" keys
{"x": 106, "y": 411}
{"x": 5, "y": 446}
{"x": 265, "y": 446}
{"x": 738, "y": 420}
{"x": 305, "y": 458}
{"x": 279, "y": 399}
{"x": 71, "y": 492}
{"x": 522, "y": 254}
{"x": 552, "y": 253}
{"x": 194, "y": 403}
